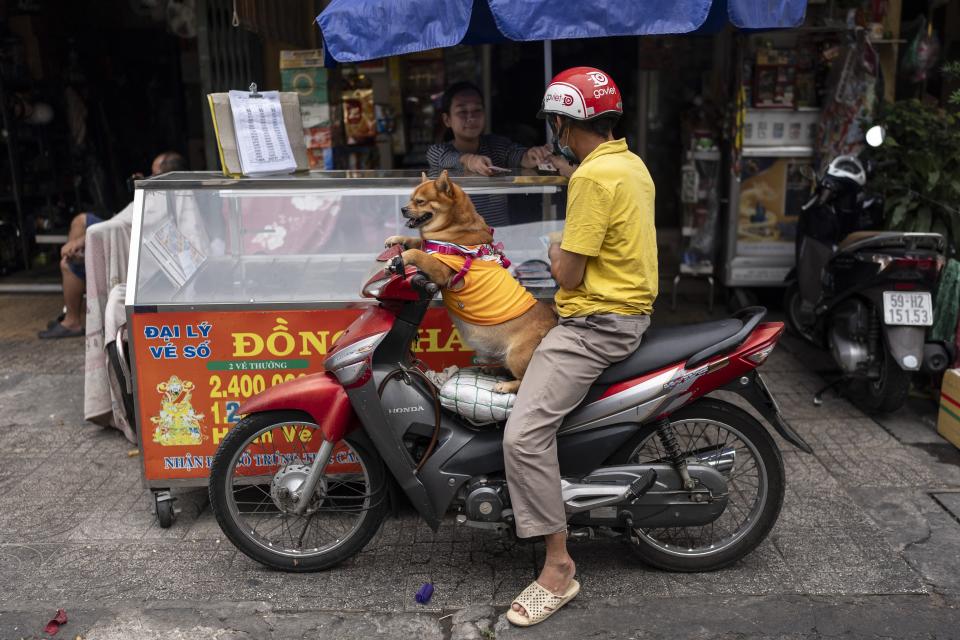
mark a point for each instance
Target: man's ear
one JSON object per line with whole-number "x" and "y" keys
{"x": 443, "y": 182}
{"x": 423, "y": 177}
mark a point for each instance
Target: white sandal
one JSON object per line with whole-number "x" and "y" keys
{"x": 539, "y": 603}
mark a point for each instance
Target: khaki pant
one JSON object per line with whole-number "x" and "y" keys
{"x": 569, "y": 359}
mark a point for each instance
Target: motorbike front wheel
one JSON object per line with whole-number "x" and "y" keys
{"x": 792, "y": 301}
{"x": 254, "y": 482}
{"x": 755, "y": 487}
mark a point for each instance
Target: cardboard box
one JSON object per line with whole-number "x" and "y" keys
{"x": 780, "y": 127}
{"x": 295, "y": 59}
{"x": 310, "y": 83}
{"x": 948, "y": 421}
{"x": 321, "y": 159}
{"x": 318, "y": 137}
{"x": 315, "y": 114}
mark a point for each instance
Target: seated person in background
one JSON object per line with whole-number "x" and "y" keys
{"x": 72, "y": 269}
{"x": 467, "y": 148}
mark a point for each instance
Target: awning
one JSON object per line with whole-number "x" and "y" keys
{"x": 357, "y": 30}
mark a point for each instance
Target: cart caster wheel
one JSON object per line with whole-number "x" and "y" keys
{"x": 166, "y": 513}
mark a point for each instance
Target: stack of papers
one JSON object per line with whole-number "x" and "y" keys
{"x": 262, "y": 142}
{"x": 534, "y": 274}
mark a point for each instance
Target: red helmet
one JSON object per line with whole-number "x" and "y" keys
{"x": 582, "y": 93}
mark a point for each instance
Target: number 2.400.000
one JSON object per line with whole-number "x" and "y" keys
{"x": 246, "y": 385}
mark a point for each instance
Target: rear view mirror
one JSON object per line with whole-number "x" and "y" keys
{"x": 807, "y": 172}
{"x": 876, "y": 135}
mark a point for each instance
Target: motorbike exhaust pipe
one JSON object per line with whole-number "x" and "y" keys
{"x": 722, "y": 460}
{"x": 935, "y": 357}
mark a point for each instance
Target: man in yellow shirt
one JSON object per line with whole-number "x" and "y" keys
{"x": 606, "y": 266}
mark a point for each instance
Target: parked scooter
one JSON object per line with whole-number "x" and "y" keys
{"x": 864, "y": 294}
{"x": 304, "y": 481}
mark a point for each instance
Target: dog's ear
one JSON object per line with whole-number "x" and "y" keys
{"x": 423, "y": 177}
{"x": 443, "y": 183}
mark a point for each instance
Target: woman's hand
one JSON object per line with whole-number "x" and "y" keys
{"x": 477, "y": 164}
{"x": 561, "y": 165}
{"x": 535, "y": 156}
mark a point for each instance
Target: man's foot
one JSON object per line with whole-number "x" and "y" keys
{"x": 60, "y": 331}
{"x": 555, "y": 578}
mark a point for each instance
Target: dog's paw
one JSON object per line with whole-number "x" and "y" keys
{"x": 395, "y": 240}
{"x": 509, "y": 386}
{"x": 396, "y": 265}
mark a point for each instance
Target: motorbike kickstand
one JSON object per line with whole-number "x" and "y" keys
{"x": 818, "y": 396}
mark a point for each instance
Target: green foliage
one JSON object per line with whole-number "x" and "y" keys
{"x": 952, "y": 69}
{"x": 918, "y": 169}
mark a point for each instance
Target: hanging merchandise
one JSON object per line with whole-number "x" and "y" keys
{"x": 359, "y": 113}
{"x": 850, "y": 100}
{"x": 922, "y": 53}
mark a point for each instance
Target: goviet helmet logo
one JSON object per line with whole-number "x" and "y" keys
{"x": 567, "y": 100}
{"x": 599, "y": 79}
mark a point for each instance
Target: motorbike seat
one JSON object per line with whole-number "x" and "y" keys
{"x": 857, "y": 236}
{"x": 662, "y": 347}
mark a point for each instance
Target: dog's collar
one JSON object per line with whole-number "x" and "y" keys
{"x": 488, "y": 251}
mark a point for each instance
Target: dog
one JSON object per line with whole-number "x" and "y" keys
{"x": 494, "y": 314}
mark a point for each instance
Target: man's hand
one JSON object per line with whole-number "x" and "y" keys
{"x": 566, "y": 267}
{"x": 477, "y": 164}
{"x": 535, "y": 156}
{"x": 561, "y": 165}
{"x": 72, "y": 248}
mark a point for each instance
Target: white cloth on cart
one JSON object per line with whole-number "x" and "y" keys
{"x": 106, "y": 254}
{"x": 115, "y": 319}
{"x": 469, "y": 393}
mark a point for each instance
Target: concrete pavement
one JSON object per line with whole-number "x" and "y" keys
{"x": 867, "y": 544}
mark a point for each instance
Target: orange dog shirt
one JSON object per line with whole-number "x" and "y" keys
{"x": 490, "y": 295}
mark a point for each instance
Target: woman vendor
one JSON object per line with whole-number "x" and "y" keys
{"x": 467, "y": 148}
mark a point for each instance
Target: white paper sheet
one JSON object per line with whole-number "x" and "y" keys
{"x": 262, "y": 141}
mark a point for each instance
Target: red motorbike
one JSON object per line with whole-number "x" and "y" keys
{"x": 691, "y": 482}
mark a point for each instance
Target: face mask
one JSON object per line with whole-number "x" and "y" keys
{"x": 563, "y": 150}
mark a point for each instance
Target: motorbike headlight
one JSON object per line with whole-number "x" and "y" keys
{"x": 373, "y": 288}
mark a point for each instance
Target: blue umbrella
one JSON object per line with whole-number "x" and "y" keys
{"x": 357, "y": 30}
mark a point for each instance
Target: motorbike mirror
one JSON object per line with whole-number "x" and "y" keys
{"x": 876, "y": 135}
{"x": 807, "y": 172}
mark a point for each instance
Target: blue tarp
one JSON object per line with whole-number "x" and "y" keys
{"x": 357, "y": 30}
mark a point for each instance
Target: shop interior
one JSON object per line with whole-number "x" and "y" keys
{"x": 91, "y": 93}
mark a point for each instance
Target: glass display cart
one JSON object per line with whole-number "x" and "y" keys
{"x": 236, "y": 285}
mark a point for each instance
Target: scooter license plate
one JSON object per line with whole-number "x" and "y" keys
{"x": 906, "y": 308}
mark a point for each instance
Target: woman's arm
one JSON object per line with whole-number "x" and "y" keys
{"x": 443, "y": 156}
{"x": 508, "y": 152}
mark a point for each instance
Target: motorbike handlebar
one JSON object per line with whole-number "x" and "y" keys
{"x": 420, "y": 281}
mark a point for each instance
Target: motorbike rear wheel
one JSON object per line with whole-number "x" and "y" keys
{"x": 885, "y": 394}
{"x": 253, "y": 482}
{"x": 755, "y": 488}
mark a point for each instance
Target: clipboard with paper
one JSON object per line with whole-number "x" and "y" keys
{"x": 258, "y": 133}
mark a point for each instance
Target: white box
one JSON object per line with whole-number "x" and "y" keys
{"x": 780, "y": 127}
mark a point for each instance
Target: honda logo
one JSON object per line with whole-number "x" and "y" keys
{"x": 415, "y": 409}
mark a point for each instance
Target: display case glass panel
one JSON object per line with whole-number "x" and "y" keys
{"x": 200, "y": 238}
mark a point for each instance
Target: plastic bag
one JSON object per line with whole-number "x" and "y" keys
{"x": 922, "y": 53}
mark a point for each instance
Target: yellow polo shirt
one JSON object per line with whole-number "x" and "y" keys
{"x": 610, "y": 219}
{"x": 490, "y": 295}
